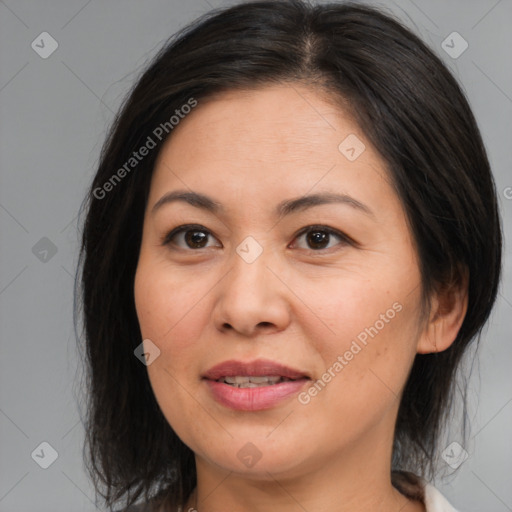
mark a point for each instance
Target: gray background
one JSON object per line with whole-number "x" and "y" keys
{"x": 54, "y": 114}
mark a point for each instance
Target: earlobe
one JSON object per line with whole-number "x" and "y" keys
{"x": 449, "y": 307}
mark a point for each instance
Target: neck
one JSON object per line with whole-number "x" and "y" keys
{"x": 356, "y": 480}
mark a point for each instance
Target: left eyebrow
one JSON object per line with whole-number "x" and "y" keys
{"x": 301, "y": 203}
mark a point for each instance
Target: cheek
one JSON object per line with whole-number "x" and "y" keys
{"x": 340, "y": 309}
{"x": 369, "y": 348}
{"x": 167, "y": 306}
{"x": 169, "y": 314}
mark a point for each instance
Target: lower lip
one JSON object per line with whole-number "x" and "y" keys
{"x": 254, "y": 399}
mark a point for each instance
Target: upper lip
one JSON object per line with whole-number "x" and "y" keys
{"x": 259, "y": 367}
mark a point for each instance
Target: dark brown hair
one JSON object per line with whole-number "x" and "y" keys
{"x": 415, "y": 114}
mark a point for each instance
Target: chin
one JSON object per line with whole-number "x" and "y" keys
{"x": 257, "y": 457}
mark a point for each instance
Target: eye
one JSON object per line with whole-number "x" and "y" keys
{"x": 320, "y": 237}
{"x": 194, "y": 236}
{"x": 191, "y": 236}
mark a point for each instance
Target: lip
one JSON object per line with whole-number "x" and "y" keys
{"x": 253, "y": 399}
{"x": 232, "y": 368}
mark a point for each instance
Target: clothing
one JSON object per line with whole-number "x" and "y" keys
{"x": 418, "y": 489}
{"x": 434, "y": 501}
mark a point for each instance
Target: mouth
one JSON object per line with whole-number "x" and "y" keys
{"x": 258, "y": 372}
{"x": 252, "y": 386}
{"x": 241, "y": 381}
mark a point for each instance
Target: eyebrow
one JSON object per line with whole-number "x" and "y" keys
{"x": 283, "y": 208}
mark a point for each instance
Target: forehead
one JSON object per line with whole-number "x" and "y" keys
{"x": 278, "y": 121}
{"x": 280, "y": 140}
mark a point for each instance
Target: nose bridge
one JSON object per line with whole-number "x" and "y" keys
{"x": 249, "y": 265}
{"x": 250, "y": 294}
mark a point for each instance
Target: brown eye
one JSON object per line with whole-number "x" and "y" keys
{"x": 188, "y": 237}
{"x": 321, "y": 237}
{"x": 195, "y": 239}
{"x": 318, "y": 239}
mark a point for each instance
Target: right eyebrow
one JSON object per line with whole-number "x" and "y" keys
{"x": 192, "y": 198}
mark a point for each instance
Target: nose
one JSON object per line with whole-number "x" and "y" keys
{"x": 252, "y": 298}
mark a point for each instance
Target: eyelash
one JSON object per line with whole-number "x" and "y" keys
{"x": 345, "y": 240}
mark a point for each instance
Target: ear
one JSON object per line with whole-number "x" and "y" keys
{"x": 449, "y": 306}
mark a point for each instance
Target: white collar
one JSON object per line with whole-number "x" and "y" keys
{"x": 435, "y": 501}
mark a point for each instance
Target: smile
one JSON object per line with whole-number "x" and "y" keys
{"x": 253, "y": 385}
{"x": 253, "y": 381}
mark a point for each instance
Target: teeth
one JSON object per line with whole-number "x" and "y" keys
{"x": 252, "y": 381}
{"x": 261, "y": 380}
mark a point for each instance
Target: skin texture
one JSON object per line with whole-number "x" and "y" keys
{"x": 296, "y": 304}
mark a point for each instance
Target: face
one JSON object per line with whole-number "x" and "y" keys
{"x": 260, "y": 278}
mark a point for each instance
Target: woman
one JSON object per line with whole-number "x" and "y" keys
{"x": 291, "y": 240}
